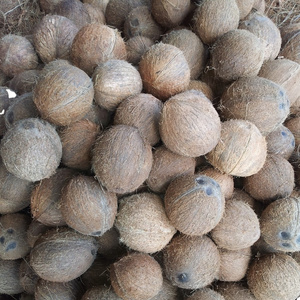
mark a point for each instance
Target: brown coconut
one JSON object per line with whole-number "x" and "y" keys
{"x": 114, "y": 81}
{"x": 237, "y": 53}
{"x": 190, "y": 125}
{"x": 275, "y": 180}
{"x": 95, "y": 44}
{"x": 288, "y": 31}
{"x": 191, "y": 262}
{"x": 24, "y": 82}
{"x": 48, "y": 5}
{"x": 244, "y": 7}
{"x": 45, "y": 198}
{"x": 93, "y": 218}
{"x": 121, "y": 159}
{"x": 77, "y": 142}
{"x": 95, "y": 12}
{"x": 291, "y": 50}
{"x": 203, "y": 87}
{"x": 164, "y": 71}
{"x": 194, "y": 204}
{"x": 205, "y": 294}
{"x": 13, "y": 237}
{"x": 16, "y": 55}
{"x": 213, "y": 18}
{"x": 137, "y": 276}
{"x": 263, "y": 271}
{"x": 241, "y": 151}
{"x": 239, "y": 227}
{"x": 99, "y": 116}
{"x": 266, "y": 30}
{"x": 28, "y": 278}
{"x": 53, "y": 37}
{"x": 34, "y": 231}
{"x": 143, "y": 223}
{"x": 191, "y": 46}
{"x": 234, "y": 291}
{"x": 102, "y": 4}
{"x": 167, "y": 292}
{"x": 258, "y": 100}
{"x": 143, "y": 112}
{"x": 31, "y": 149}
{"x": 62, "y": 254}
{"x": 100, "y": 293}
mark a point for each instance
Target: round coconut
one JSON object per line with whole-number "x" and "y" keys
{"x": 214, "y": 18}
{"x": 137, "y": 276}
{"x": 102, "y": 4}
{"x": 191, "y": 262}
{"x": 291, "y": 49}
{"x": 275, "y": 180}
{"x": 62, "y": 247}
{"x": 35, "y": 230}
{"x": 31, "y": 149}
{"x": 13, "y": 237}
{"x": 143, "y": 223}
{"x": 281, "y": 142}
{"x": 121, "y": 159}
{"x": 170, "y": 13}
{"x": 205, "y": 294}
{"x": 167, "y": 292}
{"x": 64, "y": 93}
{"x": 100, "y": 293}
{"x": 263, "y": 271}
{"x": 114, "y": 81}
{"x": 77, "y": 142}
{"x": 53, "y": 38}
{"x": 10, "y": 280}
{"x": 189, "y": 124}
{"x": 45, "y": 198}
{"x": 28, "y": 278}
{"x": 258, "y": 100}
{"x": 99, "y": 116}
{"x": 239, "y": 227}
{"x": 48, "y": 6}
{"x": 95, "y": 12}
{"x": 259, "y": 5}
{"x": 16, "y": 55}
{"x": 25, "y": 81}
{"x": 95, "y": 218}
{"x": 94, "y": 44}
{"x": 164, "y": 71}
{"x": 194, "y": 204}
{"x": 191, "y": 46}
{"x": 293, "y": 125}
{"x": 136, "y": 47}
{"x": 143, "y": 112}
{"x": 266, "y": 30}
{"x": 139, "y": 22}
{"x": 203, "y": 87}
{"x": 233, "y": 291}
{"x": 288, "y": 31}
{"x": 244, "y": 7}
{"x": 237, "y": 53}
{"x": 241, "y": 151}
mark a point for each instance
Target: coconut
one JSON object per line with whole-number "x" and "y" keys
{"x": 241, "y": 151}
{"x": 275, "y": 180}
{"x": 263, "y": 271}
{"x": 16, "y": 55}
{"x": 259, "y": 5}
{"x": 170, "y": 13}
{"x": 244, "y": 7}
{"x": 262, "y": 247}
{"x": 100, "y": 293}
{"x": 167, "y": 292}
{"x": 191, "y": 262}
{"x": 232, "y": 290}
{"x": 31, "y": 149}
{"x": 102, "y": 4}
{"x": 291, "y": 50}
{"x": 94, "y": 44}
{"x": 53, "y": 37}
{"x": 95, "y": 218}
{"x": 191, "y": 46}
{"x": 35, "y": 230}
{"x": 205, "y": 294}
{"x": 62, "y": 255}
{"x": 136, "y": 47}
{"x": 258, "y": 100}
{"x": 194, "y": 204}
{"x": 214, "y": 18}
{"x": 64, "y": 93}
{"x": 13, "y": 238}
{"x": 203, "y": 87}
{"x": 190, "y": 125}
{"x": 121, "y": 159}
{"x": 136, "y": 276}
{"x": 24, "y": 82}
{"x": 288, "y": 31}
{"x": 266, "y": 30}
{"x": 237, "y": 53}
{"x": 77, "y": 141}
{"x": 164, "y": 71}
{"x": 293, "y": 125}
{"x": 99, "y": 116}
{"x": 95, "y": 12}
{"x": 28, "y": 278}
{"x": 114, "y": 81}
{"x": 45, "y": 205}
{"x": 48, "y": 5}
{"x": 239, "y": 227}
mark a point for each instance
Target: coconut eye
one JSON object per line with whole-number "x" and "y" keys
{"x": 11, "y": 246}
{"x": 283, "y": 133}
{"x": 183, "y": 277}
{"x": 97, "y": 233}
{"x": 10, "y": 231}
{"x": 209, "y": 191}
{"x": 285, "y": 235}
{"x": 200, "y": 181}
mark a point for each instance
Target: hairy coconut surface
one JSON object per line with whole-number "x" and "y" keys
{"x": 34, "y": 231}
{"x": 95, "y": 12}
{"x": 100, "y": 293}
{"x": 233, "y": 291}
{"x": 244, "y": 7}
{"x": 24, "y": 82}
{"x": 205, "y": 294}
{"x": 28, "y": 277}
{"x": 202, "y": 87}
{"x": 291, "y": 49}
{"x": 167, "y": 292}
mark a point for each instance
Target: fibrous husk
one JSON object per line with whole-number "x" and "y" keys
{"x": 244, "y": 7}
{"x": 102, "y": 4}
{"x": 205, "y": 294}
{"x": 25, "y": 81}
{"x": 234, "y": 291}
{"x": 34, "y": 231}
{"x": 100, "y": 293}
{"x": 291, "y": 50}
{"x": 48, "y": 5}
{"x": 95, "y": 12}
{"x": 28, "y": 277}
{"x": 203, "y": 87}
{"x": 167, "y": 292}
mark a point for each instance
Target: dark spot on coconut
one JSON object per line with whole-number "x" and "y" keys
{"x": 283, "y": 133}
{"x": 285, "y": 235}
{"x": 183, "y": 277}
{"x": 281, "y": 106}
{"x": 135, "y": 22}
{"x": 2, "y": 239}
{"x": 286, "y": 245}
{"x": 93, "y": 252}
{"x": 28, "y": 125}
{"x": 209, "y": 191}
{"x": 10, "y": 231}
{"x": 10, "y": 117}
{"x": 247, "y": 23}
{"x": 281, "y": 93}
{"x": 11, "y": 246}
{"x": 200, "y": 180}
{"x": 97, "y": 233}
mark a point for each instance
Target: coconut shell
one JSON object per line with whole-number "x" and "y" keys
{"x": 288, "y": 31}
{"x": 258, "y": 100}
{"x": 205, "y": 294}
{"x": 291, "y": 49}
{"x": 95, "y": 44}
{"x": 237, "y": 53}
{"x": 25, "y": 81}
{"x": 28, "y": 278}
{"x": 35, "y": 230}
{"x": 184, "y": 122}
{"x": 233, "y": 291}
{"x": 16, "y": 55}
{"x": 203, "y": 87}
{"x": 95, "y": 12}
{"x": 244, "y": 7}
{"x": 214, "y": 18}
{"x": 53, "y": 37}
{"x": 114, "y": 81}
{"x": 136, "y": 276}
{"x": 239, "y": 227}
{"x": 263, "y": 271}
{"x": 164, "y": 71}
{"x": 100, "y": 293}
{"x": 121, "y": 159}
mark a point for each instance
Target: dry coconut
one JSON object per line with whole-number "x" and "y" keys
{"x": 25, "y": 81}
{"x": 203, "y": 87}
{"x": 205, "y": 294}
{"x": 259, "y": 5}
{"x": 291, "y": 50}
{"x": 99, "y": 116}
{"x": 34, "y": 231}
{"x": 244, "y": 7}
{"x": 232, "y": 290}
{"x": 100, "y": 293}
